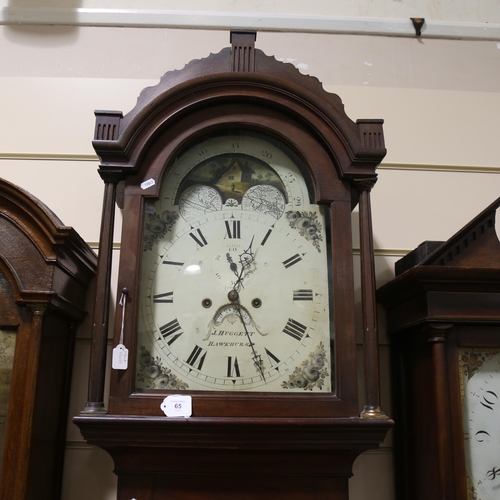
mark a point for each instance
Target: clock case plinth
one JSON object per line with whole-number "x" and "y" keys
{"x": 445, "y": 297}
{"x": 240, "y": 87}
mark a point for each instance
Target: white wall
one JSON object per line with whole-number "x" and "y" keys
{"x": 458, "y": 19}
{"x": 440, "y": 100}
{"x": 457, "y": 10}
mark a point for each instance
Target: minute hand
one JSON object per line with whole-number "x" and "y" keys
{"x": 257, "y": 358}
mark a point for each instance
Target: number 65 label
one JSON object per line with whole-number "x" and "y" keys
{"x": 177, "y": 406}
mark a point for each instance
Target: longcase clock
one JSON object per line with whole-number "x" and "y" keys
{"x": 444, "y": 322}
{"x": 236, "y": 177}
{"x": 45, "y": 270}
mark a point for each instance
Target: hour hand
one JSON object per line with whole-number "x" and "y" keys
{"x": 232, "y": 265}
{"x": 247, "y": 257}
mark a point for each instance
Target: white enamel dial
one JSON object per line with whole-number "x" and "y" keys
{"x": 481, "y": 417}
{"x": 234, "y": 289}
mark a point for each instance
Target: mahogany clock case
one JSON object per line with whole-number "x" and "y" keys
{"x": 265, "y": 435}
{"x": 254, "y": 92}
{"x": 443, "y": 318}
{"x": 45, "y": 270}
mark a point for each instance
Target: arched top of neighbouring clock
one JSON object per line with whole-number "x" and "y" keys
{"x": 36, "y": 248}
{"x": 239, "y": 74}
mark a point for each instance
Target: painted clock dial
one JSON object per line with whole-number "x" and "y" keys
{"x": 234, "y": 279}
{"x": 481, "y": 417}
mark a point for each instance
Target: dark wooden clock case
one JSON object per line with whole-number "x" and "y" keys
{"x": 238, "y": 445}
{"x": 446, "y": 296}
{"x": 45, "y": 269}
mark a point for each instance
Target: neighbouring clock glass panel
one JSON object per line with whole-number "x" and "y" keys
{"x": 7, "y": 346}
{"x": 480, "y": 383}
{"x": 234, "y": 278}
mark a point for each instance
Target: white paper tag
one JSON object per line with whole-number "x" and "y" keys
{"x": 177, "y": 406}
{"x": 147, "y": 184}
{"x": 120, "y": 357}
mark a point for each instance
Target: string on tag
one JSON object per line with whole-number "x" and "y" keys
{"x": 123, "y": 303}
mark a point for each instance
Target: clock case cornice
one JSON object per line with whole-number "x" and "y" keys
{"x": 456, "y": 281}
{"x": 122, "y": 141}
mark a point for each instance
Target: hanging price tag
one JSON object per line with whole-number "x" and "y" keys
{"x": 120, "y": 358}
{"x": 177, "y": 406}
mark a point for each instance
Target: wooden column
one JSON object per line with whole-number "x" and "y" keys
{"x": 100, "y": 318}
{"x": 372, "y": 408}
{"x": 437, "y": 338}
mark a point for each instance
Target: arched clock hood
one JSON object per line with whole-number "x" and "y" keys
{"x": 239, "y": 75}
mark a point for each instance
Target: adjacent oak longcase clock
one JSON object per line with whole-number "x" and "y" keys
{"x": 443, "y": 311}
{"x": 236, "y": 177}
{"x": 45, "y": 269}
